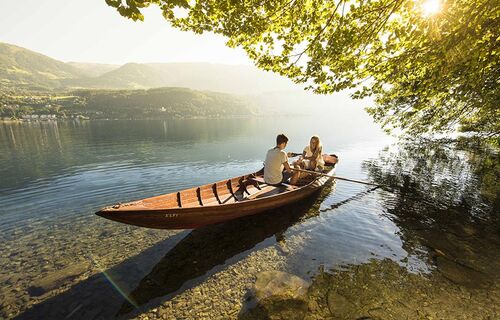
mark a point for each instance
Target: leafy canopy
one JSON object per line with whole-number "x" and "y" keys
{"x": 427, "y": 72}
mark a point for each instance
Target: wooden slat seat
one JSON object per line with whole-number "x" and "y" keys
{"x": 258, "y": 179}
{"x": 266, "y": 191}
{"x": 252, "y": 190}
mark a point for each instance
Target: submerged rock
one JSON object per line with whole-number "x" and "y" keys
{"x": 339, "y": 305}
{"x": 278, "y": 283}
{"x": 275, "y": 308}
{"x": 460, "y": 274}
{"x": 56, "y": 279}
{"x": 277, "y": 295}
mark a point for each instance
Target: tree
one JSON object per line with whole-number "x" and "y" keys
{"x": 427, "y": 71}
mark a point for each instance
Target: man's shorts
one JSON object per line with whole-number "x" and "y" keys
{"x": 286, "y": 177}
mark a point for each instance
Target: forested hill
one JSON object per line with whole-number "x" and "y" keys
{"x": 163, "y": 103}
{"x": 160, "y": 103}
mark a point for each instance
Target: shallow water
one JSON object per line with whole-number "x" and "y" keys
{"x": 434, "y": 229}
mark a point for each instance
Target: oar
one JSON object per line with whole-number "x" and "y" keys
{"x": 336, "y": 177}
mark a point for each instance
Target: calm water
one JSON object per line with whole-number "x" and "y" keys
{"x": 436, "y": 222}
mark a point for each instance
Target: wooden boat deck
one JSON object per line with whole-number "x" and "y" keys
{"x": 244, "y": 188}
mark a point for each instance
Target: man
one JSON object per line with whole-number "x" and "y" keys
{"x": 276, "y": 160}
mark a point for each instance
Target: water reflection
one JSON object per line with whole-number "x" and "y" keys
{"x": 37, "y": 150}
{"x": 441, "y": 202}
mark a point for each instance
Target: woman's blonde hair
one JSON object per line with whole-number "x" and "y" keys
{"x": 319, "y": 146}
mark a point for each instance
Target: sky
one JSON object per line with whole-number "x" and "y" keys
{"x": 90, "y": 31}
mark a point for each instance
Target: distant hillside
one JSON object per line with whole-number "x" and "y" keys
{"x": 226, "y": 78}
{"x": 199, "y": 76}
{"x": 128, "y": 76}
{"x": 22, "y": 68}
{"x": 93, "y": 69}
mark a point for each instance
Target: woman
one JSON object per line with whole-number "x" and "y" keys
{"x": 312, "y": 158}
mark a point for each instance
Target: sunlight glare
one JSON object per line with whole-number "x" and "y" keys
{"x": 431, "y": 7}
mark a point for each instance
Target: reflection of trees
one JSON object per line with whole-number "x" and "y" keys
{"x": 206, "y": 248}
{"x": 445, "y": 200}
{"x": 42, "y": 149}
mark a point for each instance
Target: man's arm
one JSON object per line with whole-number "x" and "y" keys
{"x": 287, "y": 167}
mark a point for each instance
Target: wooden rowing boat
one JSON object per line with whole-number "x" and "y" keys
{"x": 214, "y": 203}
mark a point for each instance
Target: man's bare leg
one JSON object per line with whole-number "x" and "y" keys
{"x": 296, "y": 174}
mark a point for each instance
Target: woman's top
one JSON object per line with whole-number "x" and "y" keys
{"x": 319, "y": 158}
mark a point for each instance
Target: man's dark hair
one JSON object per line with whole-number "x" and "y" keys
{"x": 280, "y": 139}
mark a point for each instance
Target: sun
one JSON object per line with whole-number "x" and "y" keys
{"x": 431, "y": 7}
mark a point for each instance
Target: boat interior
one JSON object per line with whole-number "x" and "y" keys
{"x": 244, "y": 188}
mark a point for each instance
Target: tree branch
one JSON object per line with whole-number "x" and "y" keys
{"x": 328, "y": 22}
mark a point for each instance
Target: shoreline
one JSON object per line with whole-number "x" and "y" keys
{"x": 155, "y": 119}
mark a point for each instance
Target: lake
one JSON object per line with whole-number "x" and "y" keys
{"x": 424, "y": 246}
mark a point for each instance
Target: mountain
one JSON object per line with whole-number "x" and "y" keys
{"x": 239, "y": 79}
{"x": 128, "y": 76}
{"x": 200, "y": 76}
{"x": 93, "y": 69}
{"x": 22, "y": 68}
